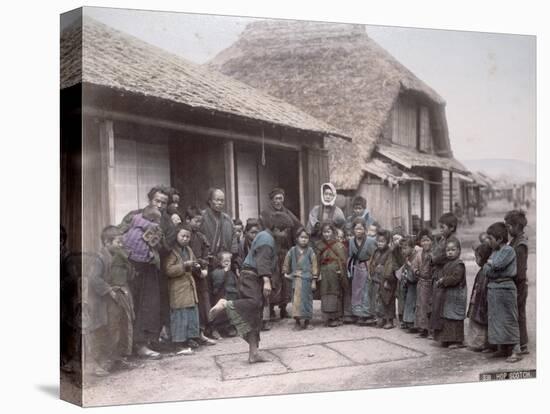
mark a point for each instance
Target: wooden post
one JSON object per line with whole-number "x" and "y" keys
{"x": 451, "y": 191}
{"x": 422, "y": 213}
{"x": 107, "y": 148}
{"x": 230, "y": 187}
{"x": 301, "y": 187}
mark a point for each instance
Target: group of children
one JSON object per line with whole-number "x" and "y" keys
{"x": 361, "y": 273}
{"x": 370, "y": 276}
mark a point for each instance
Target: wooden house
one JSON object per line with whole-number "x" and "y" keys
{"x": 134, "y": 116}
{"x": 400, "y": 158}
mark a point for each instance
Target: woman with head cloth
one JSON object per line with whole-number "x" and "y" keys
{"x": 327, "y": 211}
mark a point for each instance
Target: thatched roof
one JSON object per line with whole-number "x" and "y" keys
{"x": 409, "y": 159}
{"x": 389, "y": 172}
{"x": 336, "y": 73}
{"x": 95, "y": 53}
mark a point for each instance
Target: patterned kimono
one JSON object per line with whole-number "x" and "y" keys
{"x": 302, "y": 266}
{"x": 424, "y": 291}
{"x": 359, "y": 255}
{"x": 333, "y": 277}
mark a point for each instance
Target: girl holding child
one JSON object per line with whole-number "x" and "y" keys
{"x": 333, "y": 274}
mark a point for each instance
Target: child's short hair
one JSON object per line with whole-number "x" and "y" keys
{"x": 499, "y": 231}
{"x": 237, "y": 222}
{"x": 384, "y": 233}
{"x": 450, "y": 220}
{"x": 221, "y": 254}
{"x": 152, "y": 213}
{"x": 455, "y": 241}
{"x": 516, "y": 217}
{"x": 359, "y": 220}
{"x": 300, "y": 231}
{"x": 109, "y": 233}
{"x": 183, "y": 226}
{"x": 424, "y": 233}
{"x": 359, "y": 201}
{"x": 328, "y": 224}
{"x": 252, "y": 222}
{"x": 483, "y": 251}
{"x": 408, "y": 241}
{"x": 375, "y": 224}
{"x": 191, "y": 212}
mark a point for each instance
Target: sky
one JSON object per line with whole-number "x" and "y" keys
{"x": 488, "y": 80}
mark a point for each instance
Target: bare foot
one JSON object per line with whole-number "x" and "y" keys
{"x": 253, "y": 359}
{"x": 218, "y": 307}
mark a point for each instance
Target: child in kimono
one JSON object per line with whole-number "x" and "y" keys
{"x": 449, "y": 299}
{"x": 407, "y": 275}
{"x": 201, "y": 249}
{"x": 424, "y": 284}
{"x": 112, "y": 303}
{"x": 224, "y": 286}
{"x": 397, "y": 235}
{"x": 382, "y": 269}
{"x": 516, "y": 221}
{"x": 502, "y": 304}
{"x": 477, "y": 310}
{"x": 184, "y": 314}
{"x": 301, "y": 267}
{"x": 361, "y": 249}
{"x": 333, "y": 274}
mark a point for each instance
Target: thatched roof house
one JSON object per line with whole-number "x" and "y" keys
{"x": 134, "y": 115}
{"x": 338, "y": 74}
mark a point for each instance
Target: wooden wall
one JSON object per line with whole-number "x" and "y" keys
{"x": 315, "y": 173}
{"x": 197, "y": 165}
{"x": 380, "y": 199}
{"x": 95, "y": 185}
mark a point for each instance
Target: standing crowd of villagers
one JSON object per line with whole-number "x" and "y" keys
{"x": 170, "y": 280}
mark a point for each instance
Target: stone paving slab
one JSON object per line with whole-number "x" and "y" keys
{"x": 373, "y": 350}
{"x": 310, "y": 357}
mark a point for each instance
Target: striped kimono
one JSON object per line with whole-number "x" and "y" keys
{"x": 359, "y": 255}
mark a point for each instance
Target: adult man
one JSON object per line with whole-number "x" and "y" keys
{"x": 149, "y": 288}
{"x": 216, "y": 225}
{"x": 259, "y": 266}
{"x": 280, "y": 293}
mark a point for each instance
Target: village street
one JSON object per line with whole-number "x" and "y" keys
{"x": 323, "y": 359}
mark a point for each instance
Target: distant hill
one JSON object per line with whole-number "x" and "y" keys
{"x": 512, "y": 171}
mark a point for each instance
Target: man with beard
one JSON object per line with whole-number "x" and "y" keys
{"x": 261, "y": 263}
{"x": 281, "y": 288}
